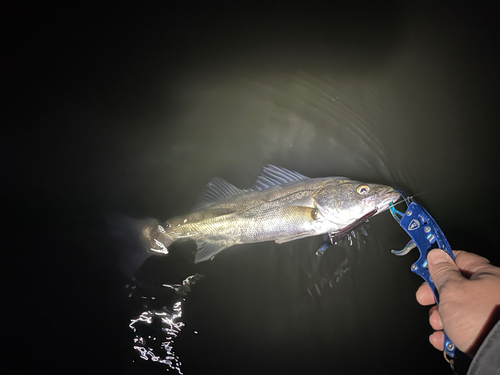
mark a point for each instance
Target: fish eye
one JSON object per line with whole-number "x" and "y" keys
{"x": 363, "y": 189}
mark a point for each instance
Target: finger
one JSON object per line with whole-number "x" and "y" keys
{"x": 437, "y": 340}
{"x": 424, "y": 295}
{"x": 469, "y": 263}
{"x": 442, "y": 269}
{"x": 435, "y": 318}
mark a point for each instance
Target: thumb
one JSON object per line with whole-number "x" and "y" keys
{"x": 442, "y": 268}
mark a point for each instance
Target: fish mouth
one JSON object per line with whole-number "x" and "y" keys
{"x": 385, "y": 197}
{"x": 382, "y": 200}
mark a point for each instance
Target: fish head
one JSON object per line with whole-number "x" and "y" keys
{"x": 344, "y": 201}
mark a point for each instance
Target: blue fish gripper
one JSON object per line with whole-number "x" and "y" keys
{"x": 425, "y": 235}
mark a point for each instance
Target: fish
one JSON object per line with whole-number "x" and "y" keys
{"x": 282, "y": 206}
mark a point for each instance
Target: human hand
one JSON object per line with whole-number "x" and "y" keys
{"x": 469, "y": 299}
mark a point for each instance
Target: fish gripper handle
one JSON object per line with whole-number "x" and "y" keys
{"x": 426, "y": 235}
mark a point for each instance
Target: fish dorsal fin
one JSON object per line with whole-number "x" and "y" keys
{"x": 216, "y": 189}
{"x": 272, "y": 176}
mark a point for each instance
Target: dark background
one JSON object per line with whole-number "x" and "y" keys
{"x": 128, "y": 109}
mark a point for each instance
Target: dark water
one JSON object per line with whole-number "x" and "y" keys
{"x": 130, "y": 109}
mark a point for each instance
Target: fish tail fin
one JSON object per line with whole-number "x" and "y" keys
{"x": 156, "y": 239}
{"x": 126, "y": 243}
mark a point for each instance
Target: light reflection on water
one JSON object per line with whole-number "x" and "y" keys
{"x": 158, "y": 347}
{"x": 156, "y": 329}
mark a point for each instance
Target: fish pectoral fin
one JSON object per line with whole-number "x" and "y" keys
{"x": 207, "y": 250}
{"x": 293, "y": 238}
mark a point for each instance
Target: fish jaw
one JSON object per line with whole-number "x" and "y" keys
{"x": 336, "y": 236}
{"x": 340, "y": 202}
{"x": 384, "y": 198}
{"x": 373, "y": 205}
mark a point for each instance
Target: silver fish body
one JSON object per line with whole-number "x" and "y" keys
{"x": 282, "y": 206}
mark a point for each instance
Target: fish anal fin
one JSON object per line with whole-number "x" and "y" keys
{"x": 207, "y": 250}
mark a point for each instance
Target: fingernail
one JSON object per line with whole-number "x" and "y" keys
{"x": 437, "y": 256}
